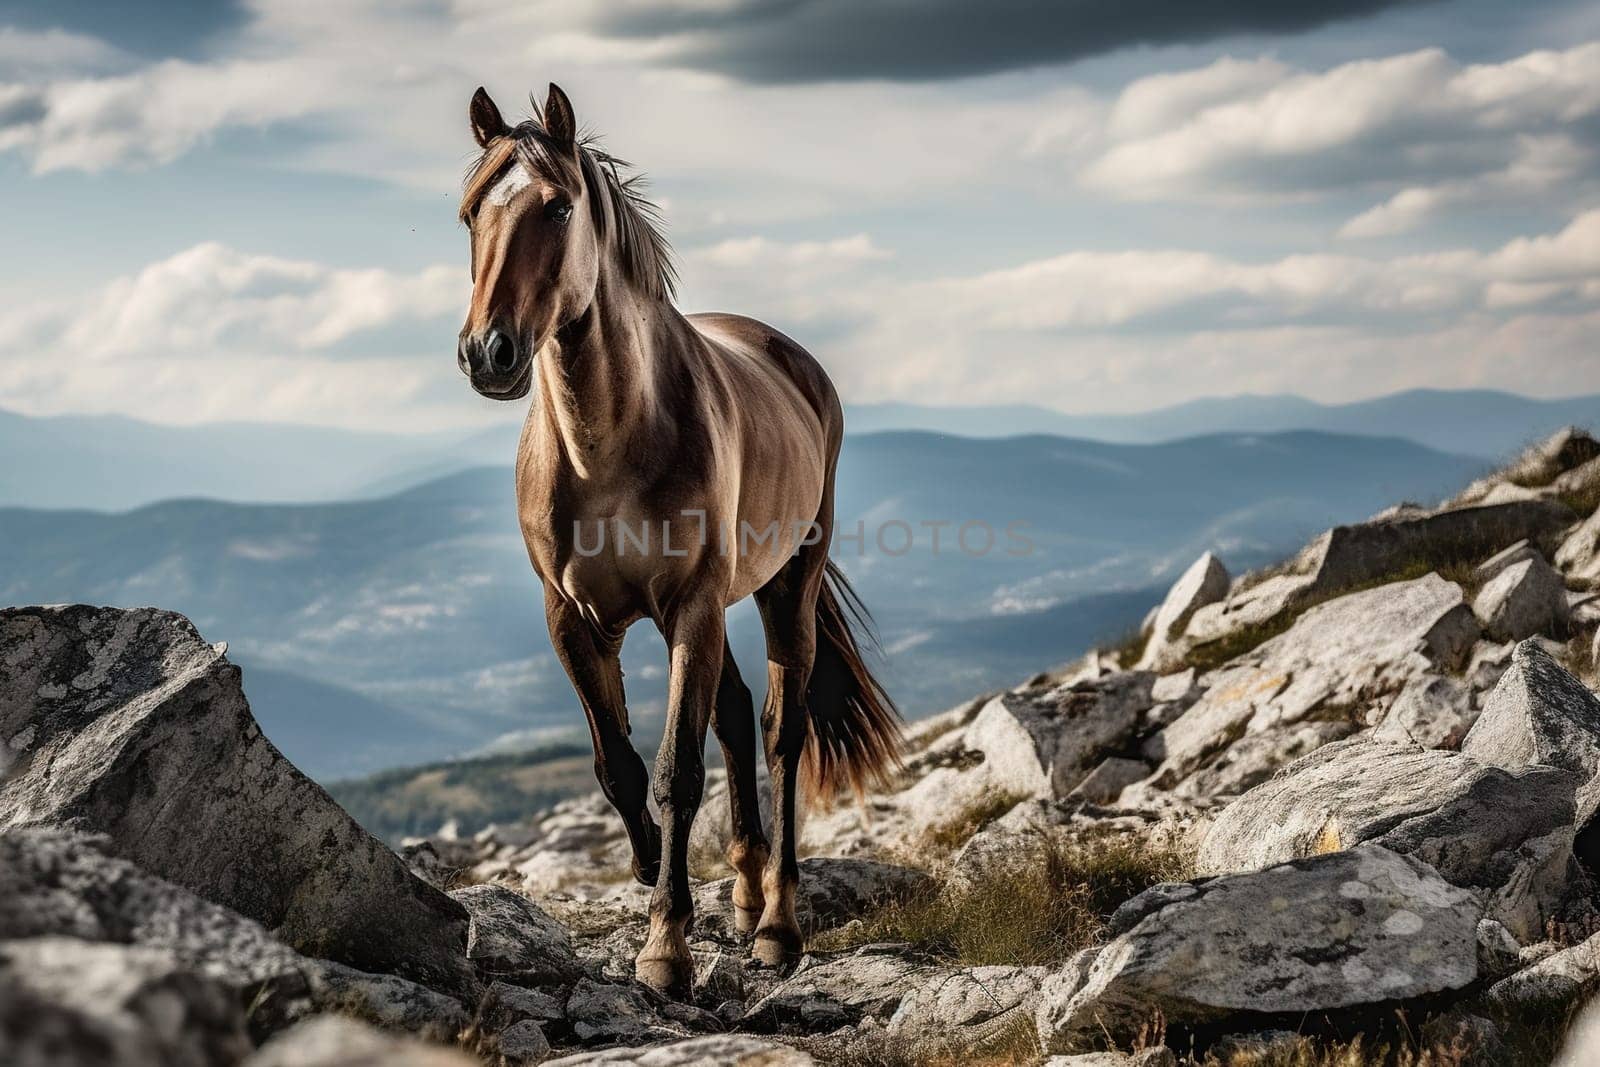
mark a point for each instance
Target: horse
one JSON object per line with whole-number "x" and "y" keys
{"x": 706, "y": 446}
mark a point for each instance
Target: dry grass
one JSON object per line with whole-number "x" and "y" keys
{"x": 1035, "y": 913}
{"x": 1126, "y": 650}
{"x": 1308, "y": 1052}
{"x": 946, "y": 837}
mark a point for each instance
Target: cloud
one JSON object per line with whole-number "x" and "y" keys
{"x": 1438, "y": 132}
{"x": 819, "y": 40}
{"x": 212, "y": 299}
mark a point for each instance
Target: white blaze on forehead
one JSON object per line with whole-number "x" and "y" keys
{"x": 512, "y": 182}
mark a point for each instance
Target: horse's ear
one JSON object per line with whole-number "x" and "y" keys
{"x": 485, "y": 117}
{"x": 559, "y": 122}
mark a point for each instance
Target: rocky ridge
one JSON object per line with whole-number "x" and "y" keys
{"x": 1302, "y": 804}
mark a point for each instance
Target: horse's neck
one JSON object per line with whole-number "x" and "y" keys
{"x": 597, "y": 386}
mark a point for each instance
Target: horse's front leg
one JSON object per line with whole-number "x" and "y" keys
{"x": 592, "y": 661}
{"x": 695, "y": 636}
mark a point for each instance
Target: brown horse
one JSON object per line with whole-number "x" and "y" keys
{"x": 669, "y": 466}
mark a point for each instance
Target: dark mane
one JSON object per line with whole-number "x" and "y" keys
{"x": 622, "y": 213}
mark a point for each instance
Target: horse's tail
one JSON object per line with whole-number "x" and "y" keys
{"x": 853, "y": 733}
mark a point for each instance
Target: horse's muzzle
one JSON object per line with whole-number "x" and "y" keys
{"x": 495, "y": 365}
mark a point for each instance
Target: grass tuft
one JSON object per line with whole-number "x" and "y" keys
{"x": 1038, "y": 912}
{"x": 946, "y": 837}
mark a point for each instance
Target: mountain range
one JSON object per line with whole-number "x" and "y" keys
{"x": 406, "y": 628}
{"x": 113, "y": 463}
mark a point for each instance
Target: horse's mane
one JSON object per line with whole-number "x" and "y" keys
{"x": 620, "y": 210}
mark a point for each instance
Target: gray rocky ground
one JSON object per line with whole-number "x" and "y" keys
{"x": 1352, "y": 799}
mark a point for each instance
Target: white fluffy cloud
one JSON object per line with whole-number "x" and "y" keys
{"x": 1436, "y": 132}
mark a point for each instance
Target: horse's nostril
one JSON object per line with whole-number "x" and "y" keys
{"x": 501, "y": 352}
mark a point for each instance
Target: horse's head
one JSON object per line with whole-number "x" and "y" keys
{"x": 535, "y": 242}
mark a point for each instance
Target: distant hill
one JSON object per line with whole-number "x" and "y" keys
{"x": 1467, "y": 422}
{"x": 422, "y": 602}
{"x": 110, "y": 463}
{"x": 472, "y": 792}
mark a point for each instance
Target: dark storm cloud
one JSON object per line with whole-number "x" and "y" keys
{"x": 818, "y": 40}
{"x": 153, "y": 29}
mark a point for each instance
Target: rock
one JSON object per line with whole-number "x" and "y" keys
{"x": 1205, "y": 582}
{"x": 511, "y": 938}
{"x": 1105, "y": 783}
{"x": 1524, "y": 599}
{"x": 1350, "y": 650}
{"x": 719, "y": 1050}
{"x": 718, "y": 976}
{"x": 1579, "y": 555}
{"x": 387, "y": 1001}
{"x": 1254, "y": 758}
{"x": 1433, "y": 711}
{"x": 1482, "y": 828}
{"x": 1567, "y": 977}
{"x": 601, "y": 1013}
{"x": 57, "y": 883}
{"x": 1044, "y": 745}
{"x": 1540, "y": 713}
{"x": 523, "y": 1043}
{"x": 954, "y": 1011}
{"x": 1521, "y": 552}
{"x": 832, "y": 890}
{"x": 65, "y": 1002}
{"x": 339, "y": 1041}
{"x": 54, "y": 882}
{"x": 505, "y": 1004}
{"x": 1018, "y": 840}
{"x": 120, "y": 708}
{"x": 1338, "y": 931}
{"x": 1180, "y": 687}
{"x": 1499, "y": 952}
{"x": 841, "y": 992}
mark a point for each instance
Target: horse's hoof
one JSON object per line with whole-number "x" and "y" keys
{"x": 745, "y": 920}
{"x": 670, "y": 977}
{"x": 776, "y": 947}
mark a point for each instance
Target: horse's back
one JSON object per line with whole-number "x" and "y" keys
{"x": 783, "y": 355}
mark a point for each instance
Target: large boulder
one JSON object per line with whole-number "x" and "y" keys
{"x": 1205, "y": 582}
{"x": 1044, "y": 744}
{"x": 1506, "y": 836}
{"x": 1337, "y": 658}
{"x": 1349, "y": 929}
{"x": 1347, "y": 557}
{"x": 66, "y": 1002}
{"x": 1526, "y": 598}
{"x": 127, "y": 723}
{"x": 55, "y": 883}
{"x": 1538, "y": 713}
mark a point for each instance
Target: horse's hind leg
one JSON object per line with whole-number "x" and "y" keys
{"x": 789, "y": 610}
{"x": 734, "y": 721}
{"x": 591, "y": 661}
{"x": 694, "y": 633}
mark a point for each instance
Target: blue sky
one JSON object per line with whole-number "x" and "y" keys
{"x": 230, "y": 211}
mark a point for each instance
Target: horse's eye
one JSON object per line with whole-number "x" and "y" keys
{"x": 559, "y": 210}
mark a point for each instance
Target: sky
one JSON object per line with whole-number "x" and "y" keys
{"x": 246, "y": 210}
